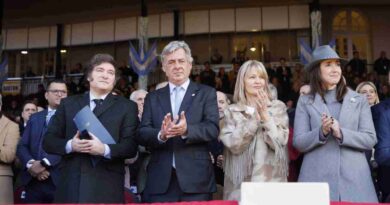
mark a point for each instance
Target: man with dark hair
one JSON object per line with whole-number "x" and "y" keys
{"x": 357, "y": 65}
{"x": 382, "y": 67}
{"x": 40, "y": 170}
{"x": 207, "y": 76}
{"x": 90, "y": 171}
{"x": 28, "y": 108}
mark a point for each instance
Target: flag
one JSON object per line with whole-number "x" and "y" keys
{"x": 143, "y": 62}
{"x": 305, "y": 52}
{"x": 332, "y": 44}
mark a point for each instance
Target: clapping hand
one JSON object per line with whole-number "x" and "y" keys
{"x": 336, "y": 129}
{"x": 327, "y": 123}
{"x": 262, "y": 105}
{"x": 170, "y": 129}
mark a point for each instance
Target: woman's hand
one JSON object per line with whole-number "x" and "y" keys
{"x": 336, "y": 129}
{"x": 327, "y": 123}
{"x": 262, "y": 102}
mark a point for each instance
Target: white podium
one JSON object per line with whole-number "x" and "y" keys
{"x": 255, "y": 193}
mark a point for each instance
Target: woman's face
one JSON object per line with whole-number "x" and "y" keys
{"x": 370, "y": 93}
{"x": 253, "y": 82}
{"x": 330, "y": 73}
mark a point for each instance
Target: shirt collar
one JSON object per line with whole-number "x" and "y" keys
{"x": 50, "y": 109}
{"x": 184, "y": 85}
{"x": 92, "y": 97}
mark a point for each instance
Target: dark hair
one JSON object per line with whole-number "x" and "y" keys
{"x": 98, "y": 59}
{"x": 55, "y": 81}
{"x": 317, "y": 87}
{"x": 28, "y": 102}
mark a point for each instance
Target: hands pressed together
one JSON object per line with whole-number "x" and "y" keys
{"x": 170, "y": 128}
{"x": 91, "y": 146}
{"x": 38, "y": 171}
{"x": 329, "y": 124}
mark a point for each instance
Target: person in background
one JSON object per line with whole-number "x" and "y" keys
{"x": 382, "y": 67}
{"x": 381, "y": 115}
{"x": 207, "y": 76}
{"x": 216, "y": 147}
{"x": 358, "y": 66}
{"x": 40, "y": 170}
{"x": 333, "y": 126}
{"x": 28, "y": 109}
{"x": 138, "y": 97}
{"x": 255, "y": 133}
{"x": 9, "y": 137}
{"x": 369, "y": 90}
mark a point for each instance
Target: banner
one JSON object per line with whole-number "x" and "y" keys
{"x": 11, "y": 87}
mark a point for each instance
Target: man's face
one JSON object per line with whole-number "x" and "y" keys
{"x": 55, "y": 93}
{"x": 140, "y": 99}
{"x": 222, "y": 104}
{"x": 28, "y": 110}
{"x": 176, "y": 67}
{"x": 102, "y": 78}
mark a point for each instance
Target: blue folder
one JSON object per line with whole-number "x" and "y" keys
{"x": 85, "y": 119}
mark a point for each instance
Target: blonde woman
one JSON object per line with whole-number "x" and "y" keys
{"x": 369, "y": 90}
{"x": 255, "y": 133}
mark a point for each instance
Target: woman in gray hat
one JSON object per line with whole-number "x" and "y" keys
{"x": 333, "y": 127}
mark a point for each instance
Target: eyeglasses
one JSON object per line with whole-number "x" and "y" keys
{"x": 57, "y": 92}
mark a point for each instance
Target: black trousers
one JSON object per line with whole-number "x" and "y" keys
{"x": 38, "y": 192}
{"x": 175, "y": 194}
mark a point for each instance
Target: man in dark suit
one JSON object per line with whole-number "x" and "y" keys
{"x": 381, "y": 116}
{"x": 90, "y": 171}
{"x": 40, "y": 170}
{"x": 178, "y": 122}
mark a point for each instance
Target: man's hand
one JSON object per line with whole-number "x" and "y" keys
{"x": 95, "y": 146}
{"x": 179, "y": 129}
{"x": 43, "y": 175}
{"x": 220, "y": 161}
{"x": 79, "y": 145}
{"x": 165, "y": 125}
{"x": 36, "y": 168}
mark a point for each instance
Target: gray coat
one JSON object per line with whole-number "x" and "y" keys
{"x": 342, "y": 164}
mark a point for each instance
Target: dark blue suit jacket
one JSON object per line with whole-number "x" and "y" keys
{"x": 194, "y": 170}
{"x": 30, "y": 147}
{"x": 381, "y": 116}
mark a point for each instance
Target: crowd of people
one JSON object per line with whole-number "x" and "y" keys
{"x": 199, "y": 137}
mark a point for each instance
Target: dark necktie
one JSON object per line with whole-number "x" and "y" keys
{"x": 98, "y": 103}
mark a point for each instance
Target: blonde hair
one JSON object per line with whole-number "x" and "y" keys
{"x": 362, "y": 84}
{"x": 239, "y": 90}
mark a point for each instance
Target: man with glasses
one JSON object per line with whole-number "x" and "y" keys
{"x": 40, "y": 170}
{"x": 91, "y": 171}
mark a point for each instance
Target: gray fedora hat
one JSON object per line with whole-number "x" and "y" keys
{"x": 322, "y": 53}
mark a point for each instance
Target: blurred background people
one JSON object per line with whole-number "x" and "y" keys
{"x": 28, "y": 108}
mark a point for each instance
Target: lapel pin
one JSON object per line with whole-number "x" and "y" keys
{"x": 193, "y": 94}
{"x": 353, "y": 100}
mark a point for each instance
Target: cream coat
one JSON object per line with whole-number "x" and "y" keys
{"x": 254, "y": 150}
{"x": 9, "y": 137}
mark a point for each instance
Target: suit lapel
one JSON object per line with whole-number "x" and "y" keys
{"x": 84, "y": 100}
{"x": 108, "y": 102}
{"x": 165, "y": 99}
{"x": 189, "y": 97}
